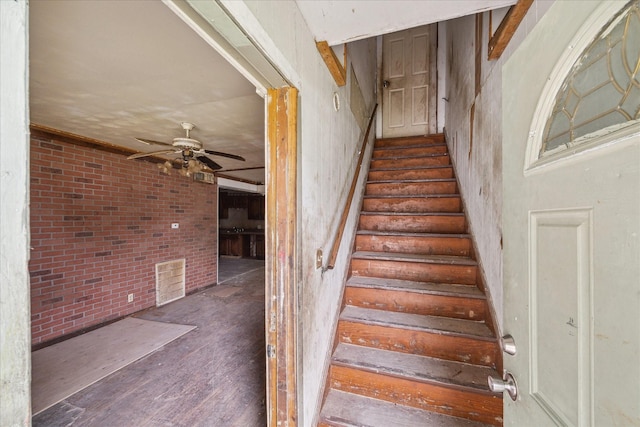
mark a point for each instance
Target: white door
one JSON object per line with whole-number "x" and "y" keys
{"x": 571, "y": 233}
{"x": 406, "y": 85}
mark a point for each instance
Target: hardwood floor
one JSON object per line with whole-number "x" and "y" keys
{"x": 212, "y": 376}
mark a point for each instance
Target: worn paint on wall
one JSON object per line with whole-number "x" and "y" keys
{"x": 328, "y": 148}
{"x": 99, "y": 225}
{"x": 15, "y": 351}
{"x": 479, "y": 162}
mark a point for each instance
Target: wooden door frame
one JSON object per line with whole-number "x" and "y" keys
{"x": 281, "y": 293}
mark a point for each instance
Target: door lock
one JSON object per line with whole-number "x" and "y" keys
{"x": 386, "y": 83}
{"x": 508, "y": 345}
{"x": 507, "y": 383}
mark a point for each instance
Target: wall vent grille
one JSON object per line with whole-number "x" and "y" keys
{"x": 209, "y": 178}
{"x": 170, "y": 281}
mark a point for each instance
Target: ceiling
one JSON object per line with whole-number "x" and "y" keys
{"x": 342, "y": 21}
{"x": 116, "y": 70}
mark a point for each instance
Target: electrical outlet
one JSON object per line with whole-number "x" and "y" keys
{"x": 130, "y": 298}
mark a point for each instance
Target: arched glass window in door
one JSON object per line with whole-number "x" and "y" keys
{"x": 602, "y": 91}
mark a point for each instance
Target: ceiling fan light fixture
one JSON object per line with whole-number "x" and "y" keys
{"x": 187, "y": 143}
{"x": 165, "y": 167}
{"x": 194, "y": 157}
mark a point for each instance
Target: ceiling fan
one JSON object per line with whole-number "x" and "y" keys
{"x": 193, "y": 155}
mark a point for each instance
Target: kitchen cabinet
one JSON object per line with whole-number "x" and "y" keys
{"x": 253, "y": 245}
{"x": 230, "y": 245}
{"x": 256, "y": 207}
{"x": 241, "y": 243}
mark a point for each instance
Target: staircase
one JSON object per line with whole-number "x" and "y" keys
{"x": 414, "y": 344}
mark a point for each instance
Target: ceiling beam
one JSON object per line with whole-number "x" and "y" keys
{"x": 507, "y": 28}
{"x": 336, "y": 69}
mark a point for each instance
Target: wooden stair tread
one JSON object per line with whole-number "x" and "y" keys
{"x": 342, "y": 409}
{"x": 408, "y": 168}
{"x": 391, "y": 213}
{"x": 435, "y": 138}
{"x": 421, "y": 156}
{"x": 445, "y": 289}
{"x": 432, "y": 259}
{"x": 411, "y": 234}
{"x": 411, "y": 181}
{"x": 418, "y": 145}
{"x": 414, "y": 367}
{"x": 411, "y": 196}
{"x": 418, "y": 322}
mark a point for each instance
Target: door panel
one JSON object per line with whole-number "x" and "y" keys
{"x": 406, "y": 68}
{"x": 560, "y": 288}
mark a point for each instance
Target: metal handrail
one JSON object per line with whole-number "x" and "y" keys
{"x": 347, "y": 207}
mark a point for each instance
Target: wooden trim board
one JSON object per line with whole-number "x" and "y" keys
{"x": 281, "y": 266}
{"x": 498, "y": 43}
{"x": 337, "y": 70}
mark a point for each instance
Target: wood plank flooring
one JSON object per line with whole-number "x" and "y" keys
{"x": 213, "y": 376}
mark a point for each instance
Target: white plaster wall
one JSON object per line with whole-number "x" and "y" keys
{"x": 328, "y": 149}
{"x": 479, "y": 165}
{"x": 15, "y": 349}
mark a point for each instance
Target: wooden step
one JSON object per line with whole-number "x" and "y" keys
{"x": 428, "y": 172}
{"x": 419, "y": 243}
{"x": 414, "y": 267}
{"x": 411, "y": 187}
{"x": 408, "y": 222}
{"x": 410, "y": 140}
{"x": 424, "y": 382}
{"x": 444, "y": 338}
{"x": 342, "y": 409}
{"x": 410, "y": 162}
{"x": 410, "y": 150}
{"x": 414, "y": 343}
{"x": 445, "y": 289}
{"x": 427, "y": 298}
{"x": 416, "y": 204}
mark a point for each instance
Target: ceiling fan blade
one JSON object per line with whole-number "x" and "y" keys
{"x": 210, "y": 163}
{"x": 152, "y": 142}
{"x": 218, "y": 153}
{"x": 153, "y": 153}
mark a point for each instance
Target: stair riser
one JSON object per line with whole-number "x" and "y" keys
{"x": 410, "y": 151}
{"x": 412, "y": 204}
{"x": 415, "y": 271}
{"x": 400, "y": 188}
{"x": 428, "y": 173}
{"x": 413, "y": 224}
{"x": 457, "y": 246}
{"x": 416, "y": 303}
{"x": 449, "y": 347}
{"x": 476, "y": 406}
{"x": 409, "y": 140}
{"x": 409, "y": 162}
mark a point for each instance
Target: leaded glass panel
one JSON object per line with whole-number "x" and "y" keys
{"x": 603, "y": 88}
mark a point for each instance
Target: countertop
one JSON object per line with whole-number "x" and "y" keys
{"x": 241, "y": 231}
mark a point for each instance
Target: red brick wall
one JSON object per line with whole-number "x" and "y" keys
{"x": 99, "y": 225}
